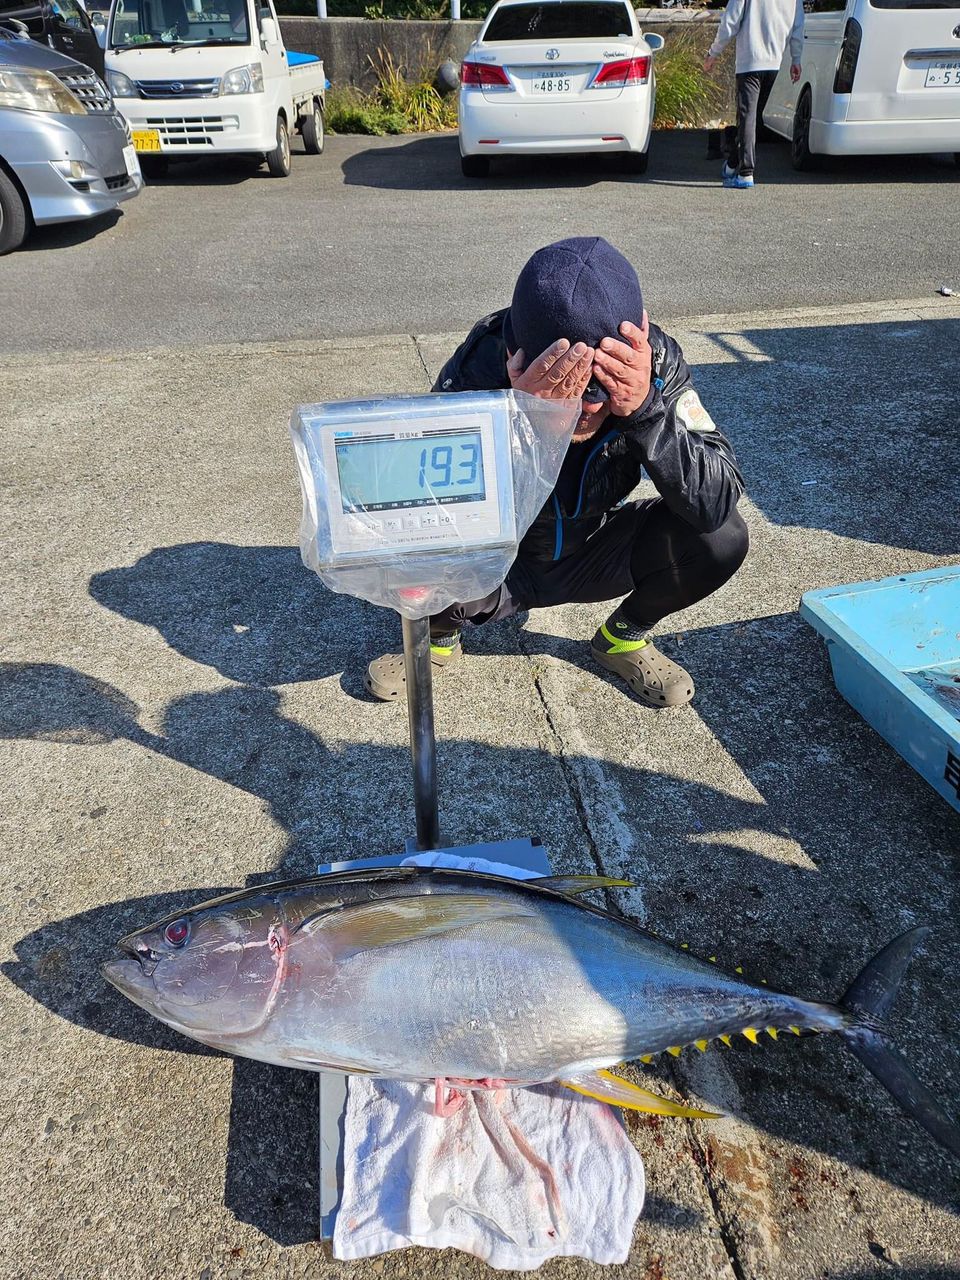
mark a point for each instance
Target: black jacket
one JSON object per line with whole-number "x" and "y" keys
{"x": 694, "y": 471}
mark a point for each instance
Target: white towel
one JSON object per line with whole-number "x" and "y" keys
{"x": 516, "y": 1176}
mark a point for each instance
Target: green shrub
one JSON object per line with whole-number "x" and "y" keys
{"x": 686, "y": 96}
{"x": 396, "y": 105}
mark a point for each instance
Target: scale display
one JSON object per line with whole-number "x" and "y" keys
{"x": 384, "y": 473}
{"x": 386, "y": 480}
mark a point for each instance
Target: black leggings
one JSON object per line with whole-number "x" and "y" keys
{"x": 644, "y": 552}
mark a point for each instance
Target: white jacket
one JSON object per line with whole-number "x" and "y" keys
{"x": 762, "y": 28}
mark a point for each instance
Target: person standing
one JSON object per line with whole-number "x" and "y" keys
{"x": 762, "y": 29}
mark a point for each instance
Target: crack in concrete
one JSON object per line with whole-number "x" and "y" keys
{"x": 701, "y": 1159}
{"x": 423, "y": 363}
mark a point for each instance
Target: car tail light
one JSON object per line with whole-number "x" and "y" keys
{"x": 849, "y": 53}
{"x": 483, "y": 73}
{"x": 616, "y": 75}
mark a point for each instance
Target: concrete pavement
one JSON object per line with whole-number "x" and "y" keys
{"x": 182, "y": 711}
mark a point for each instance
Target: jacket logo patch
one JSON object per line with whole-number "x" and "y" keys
{"x": 692, "y": 413}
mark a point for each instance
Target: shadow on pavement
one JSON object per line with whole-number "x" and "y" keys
{"x": 432, "y": 163}
{"x": 840, "y": 446}
{"x": 677, "y": 156}
{"x": 64, "y": 235}
{"x": 254, "y": 614}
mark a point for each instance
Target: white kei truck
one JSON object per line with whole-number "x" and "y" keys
{"x": 211, "y": 77}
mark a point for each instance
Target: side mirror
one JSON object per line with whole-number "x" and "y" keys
{"x": 655, "y": 42}
{"x": 268, "y": 31}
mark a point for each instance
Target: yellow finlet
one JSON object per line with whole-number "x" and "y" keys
{"x": 726, "y": 1040}
{"x": 772, "y": 1032}
{"x": 684, "y": 946}
{"x": 607, "y": 1087}
{"x": 795, "y": 1030}
{"x": 751, "y": 1034}
{"x": 702, "y": 1045}
{"x": 647, "y": 1058}
{"x": 675, "y": 1049}
{"x": 712, "y": 959}
{"x": 739, "y": 969}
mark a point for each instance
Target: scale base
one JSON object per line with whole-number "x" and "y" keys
{"x": 526, "y": 853}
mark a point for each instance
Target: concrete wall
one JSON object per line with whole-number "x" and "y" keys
{"x": 347, "y": 44}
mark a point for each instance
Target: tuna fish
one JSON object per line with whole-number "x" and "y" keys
{"x": 470, "y": 979}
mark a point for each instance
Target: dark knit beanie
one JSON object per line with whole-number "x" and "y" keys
{"x": 581, "y": 289}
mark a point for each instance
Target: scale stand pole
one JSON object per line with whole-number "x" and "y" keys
{"x": 423, "y": 742}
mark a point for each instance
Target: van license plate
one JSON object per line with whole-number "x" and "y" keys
{"x": 146, "y": 139}
{"x": 551, "y": 82}
{"x": 943, "y": 75}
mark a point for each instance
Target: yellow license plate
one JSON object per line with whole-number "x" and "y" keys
{"x": 146, "y": 139}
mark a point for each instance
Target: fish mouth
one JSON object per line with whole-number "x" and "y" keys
{"x": 131, "y": 972}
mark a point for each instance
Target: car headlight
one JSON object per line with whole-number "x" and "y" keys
{"x": 37, "y": 91}
{"x": 121, "y": 86}
{"x": 248, "y": 79}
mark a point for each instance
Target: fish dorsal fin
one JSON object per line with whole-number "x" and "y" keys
{"x": 571, "y": 885}
{"x": 387, "y": 922}
{"x": 606, "y": 1087}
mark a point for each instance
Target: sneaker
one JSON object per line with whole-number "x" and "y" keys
{"x": 739, "y": 181}
{"x": 651, "y": 676}
{"x": 386, "y": 677}
{"x": 727, "y": 171}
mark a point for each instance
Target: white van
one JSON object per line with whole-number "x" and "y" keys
{"x": 879, "y": 77}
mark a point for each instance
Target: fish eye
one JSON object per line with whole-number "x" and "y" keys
{"x": 177, "y": 933}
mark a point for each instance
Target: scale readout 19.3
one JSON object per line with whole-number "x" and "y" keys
{"x": 429, "y": 481}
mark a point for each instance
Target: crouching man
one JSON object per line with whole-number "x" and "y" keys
{"x": 577, "y": 329}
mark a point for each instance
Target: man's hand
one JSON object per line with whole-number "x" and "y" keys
{"x": 560, "y": 373}
{"x": 795, "y": 72}
{"x": 709, "y": 63}
{"x": 624, "y": 368}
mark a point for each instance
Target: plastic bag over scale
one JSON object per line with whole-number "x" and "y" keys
{"x": 419, "y": 502}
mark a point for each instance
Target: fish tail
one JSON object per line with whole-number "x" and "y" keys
{"x": 866, "y": 1003}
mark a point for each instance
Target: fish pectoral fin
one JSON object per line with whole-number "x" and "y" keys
{"x": 606, "y": 1087}
{"x": 571, "y": 885}
{"x": 324, "y": 1064}
{"x": 387, "y": 922}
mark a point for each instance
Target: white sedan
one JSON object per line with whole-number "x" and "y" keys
{"x": 549, "y": 77}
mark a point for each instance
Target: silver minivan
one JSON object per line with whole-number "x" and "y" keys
{"x": 879, "y": 77}
{"x": 65, "y": 150}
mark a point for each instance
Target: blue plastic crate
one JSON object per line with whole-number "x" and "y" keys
{"x": 894, "y": 646}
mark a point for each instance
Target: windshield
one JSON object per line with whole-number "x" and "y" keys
{"x": 554, "y": 21}
{"x": 178, "y": 22}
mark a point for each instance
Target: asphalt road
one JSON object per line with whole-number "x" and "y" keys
{"x": 384, "y": 236}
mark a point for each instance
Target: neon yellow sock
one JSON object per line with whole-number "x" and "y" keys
{"x": 620, "y": 646}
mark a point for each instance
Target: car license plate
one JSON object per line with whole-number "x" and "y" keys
{"x": 943, "y": 75}
{"x": 551, "y": 82}
{"x": 146, "y": 139}
{"x": 131, "y": 161}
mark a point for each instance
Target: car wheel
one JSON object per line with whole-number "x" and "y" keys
{"x": 633, "y": 161}
{"x": 801, "y": 157}
{"x": 278, "y": 160}
{"x": 14, "y": 218}
{"x": 154, "y": 167}
{"x": 475, "y": 166}
{"x": 311, "y": 130}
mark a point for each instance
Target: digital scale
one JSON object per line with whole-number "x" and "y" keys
{"x": 427, "y": 483}
{"x": 415, "y": 503}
